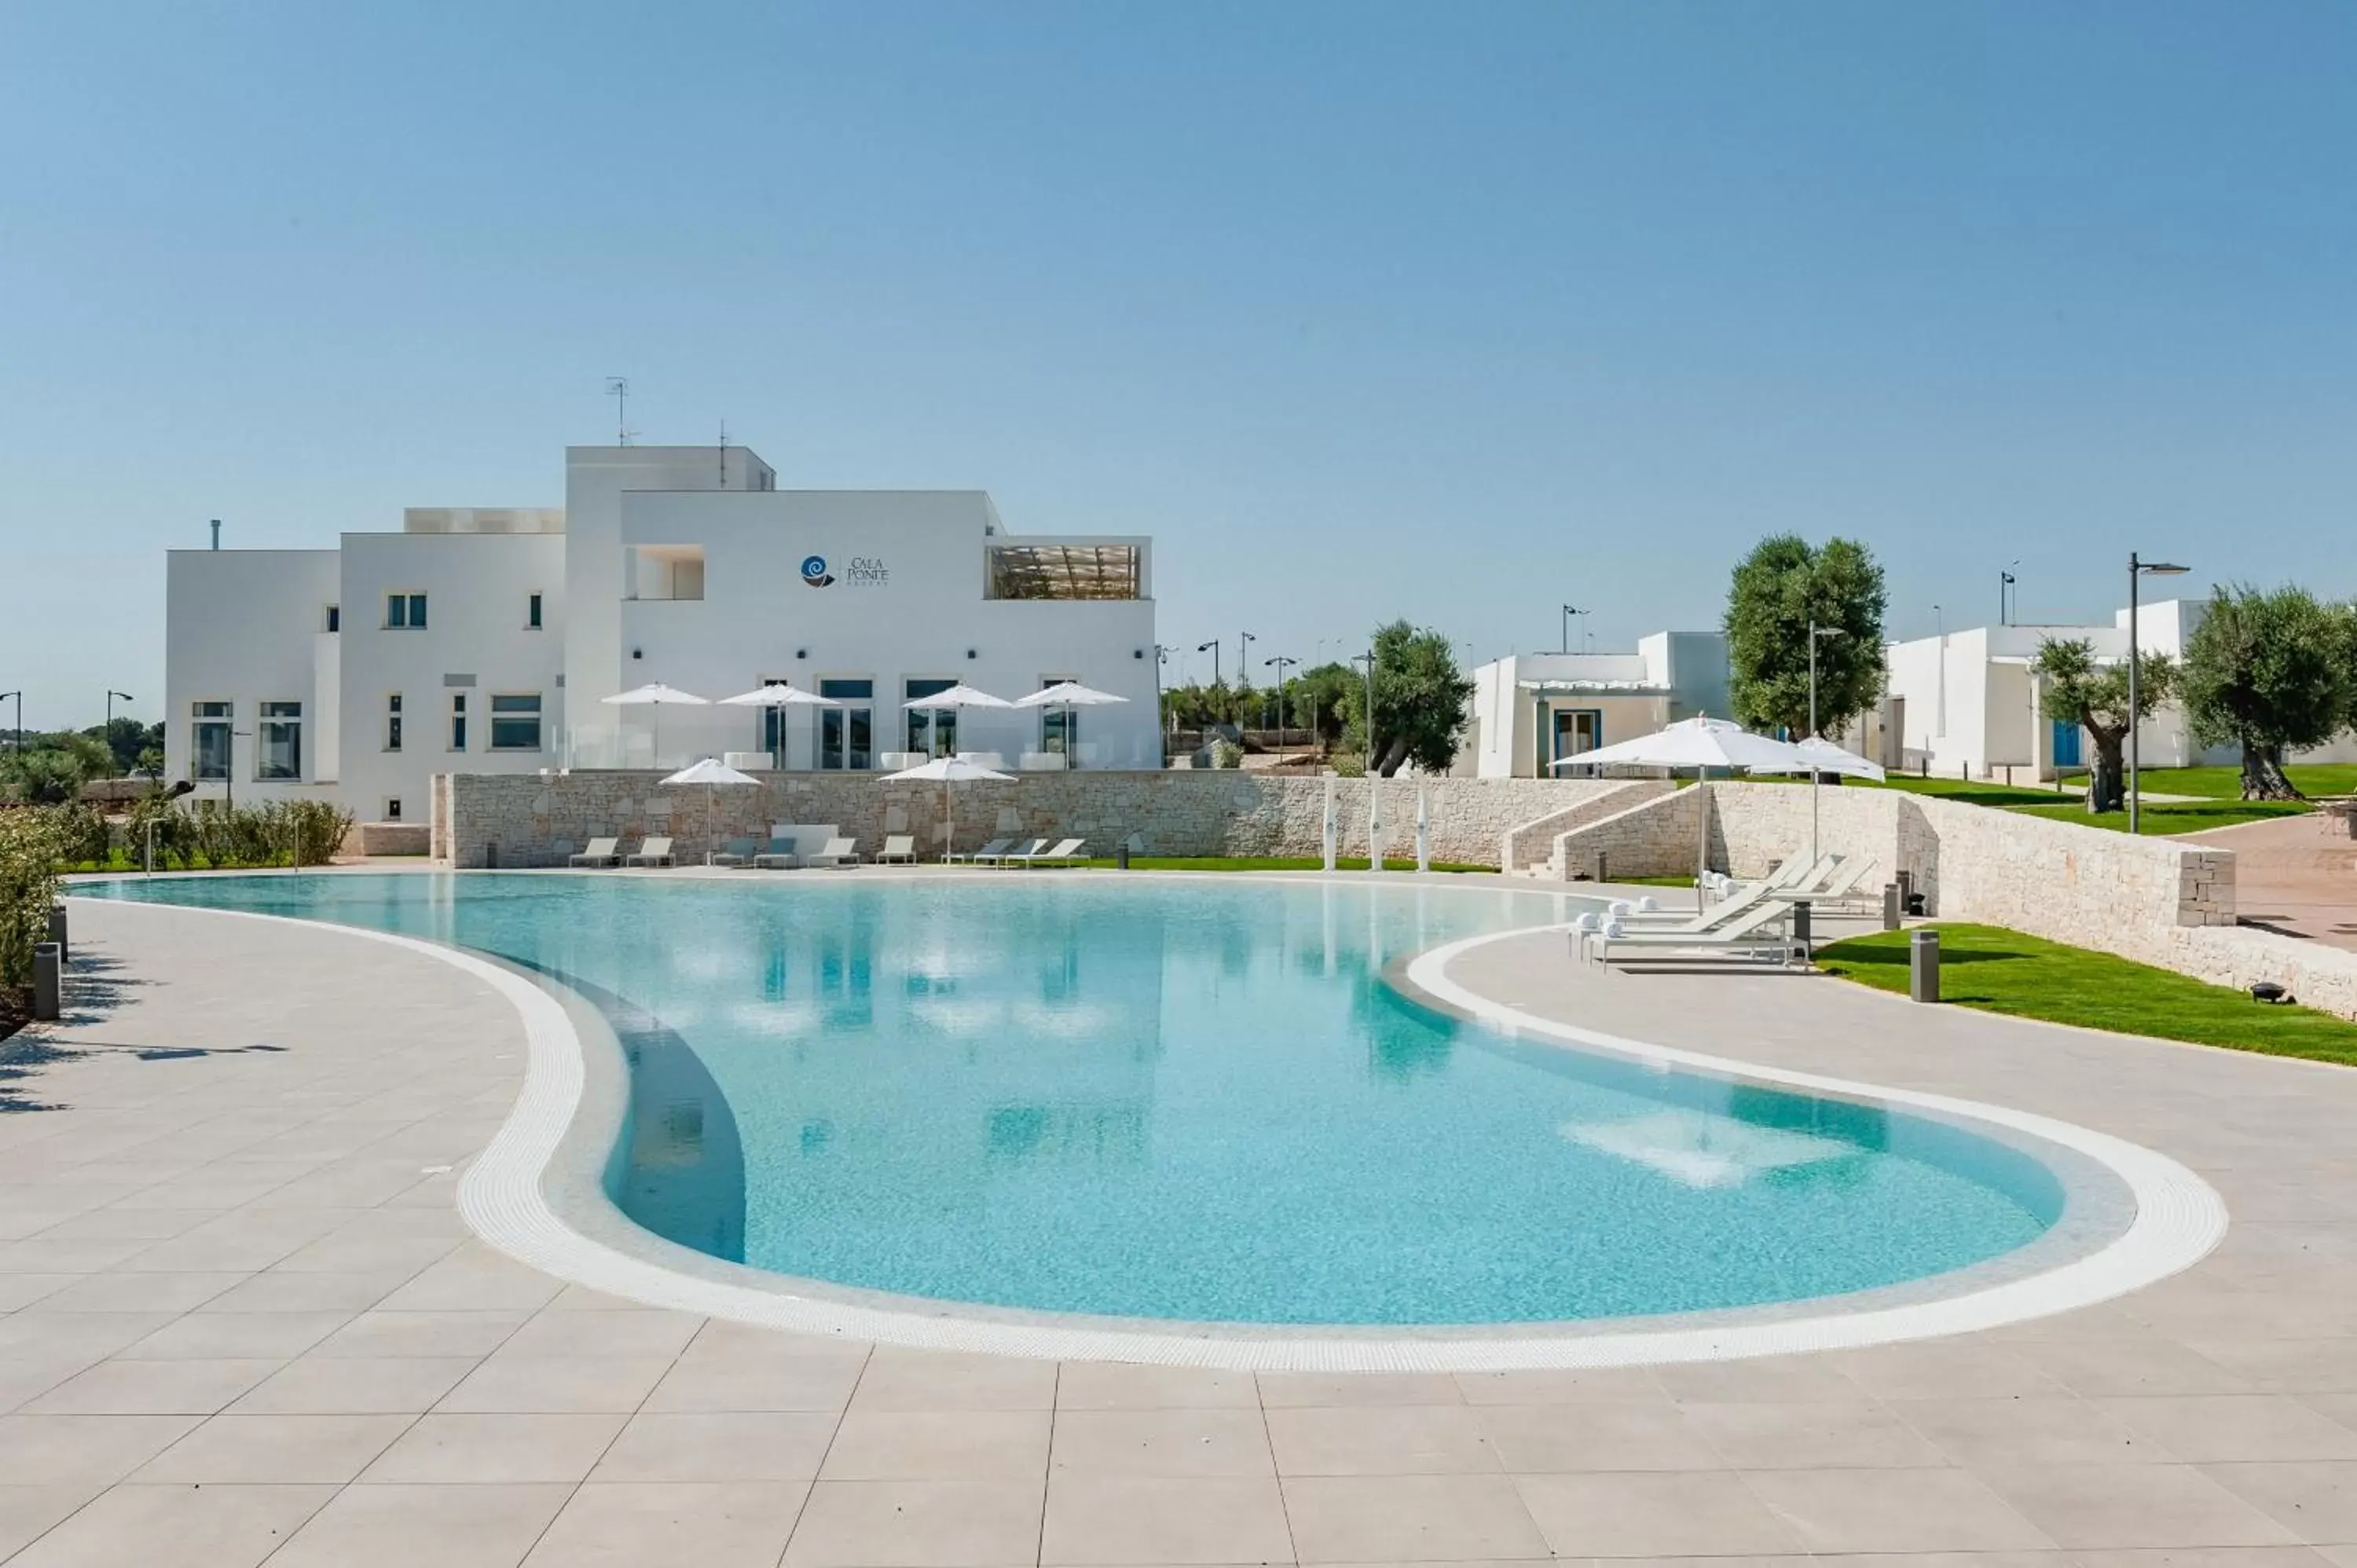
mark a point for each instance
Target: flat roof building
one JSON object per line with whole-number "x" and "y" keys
{"x": 481, "y": 639}
{"x": 1529, "y": 709}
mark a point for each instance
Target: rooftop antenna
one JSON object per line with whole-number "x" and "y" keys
{"x": 217, "y": 533}
{"x": 724, "y": 452}
{"x": 618, "y": 389}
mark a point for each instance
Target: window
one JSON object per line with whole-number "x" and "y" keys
{"x": 335, "y": 618}
{"x": 393, "y": 722}
{"x": 392, "y": 808}
{"x": 516, "y": 722}
{"x": 1059, "y": 728}
{"x": 405, "y": 612}
{"x": 1064, "y": 572}
{"x": 279, "y": 753}
{"x": 847, "y": 734}
{"x": 932, "y": 731}
{"x": 457, "y": 721}
{"x": 532, "y": 614}
{"x": 209, "y": 740}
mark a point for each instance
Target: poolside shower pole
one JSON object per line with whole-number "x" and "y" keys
{"x": 1328, "y": 825}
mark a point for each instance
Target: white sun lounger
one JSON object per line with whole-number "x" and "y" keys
{"x": 837, "y": 853}
{"x": 598, "y": 852}
{"x": 1006, "y": 857}
{"x": 899, "y": 849}
{"x": 654, "y": 852}
{"x": 1748, "y": 934}
{"x": 994, "y": 848}
{"x": 1067, "y": 853}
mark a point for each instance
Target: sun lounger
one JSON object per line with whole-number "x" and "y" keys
{"x": 899, "y": 849}
{"x": 654, "y": 852}
{"x": 994, "y": 848}
{"x": 782, "y": 852}
{"x": 836, "y": 853}
{"x": 1748, "y": 935}
{"x": 598, "y": 852}
{"x": 737, "y": 853}
{"x": 1009, "y": 856}
{"x": 1067, "y": 853}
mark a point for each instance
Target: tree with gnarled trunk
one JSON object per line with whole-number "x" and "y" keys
{"x": 2093, "y": 695}
{"x": 2268, "y": 671}
{"x": 1419, "y": 708}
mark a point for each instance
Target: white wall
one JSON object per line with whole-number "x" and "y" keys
{"x": 239, "y": 626}
{"x": 478, "y": 588}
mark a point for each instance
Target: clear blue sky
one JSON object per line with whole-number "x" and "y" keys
{"x": 1452, "y": 312}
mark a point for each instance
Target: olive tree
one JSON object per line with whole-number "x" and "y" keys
{"x": 1419, "y": 701}
{"x": 1782, "y": 588}
{"x": 2079, "y": 688}
{"x": 2268, "y": 671}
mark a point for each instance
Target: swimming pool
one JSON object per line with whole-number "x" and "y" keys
{"x": 1188, "y": 1099}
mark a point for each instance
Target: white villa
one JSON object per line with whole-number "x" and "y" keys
{"x": 485, "y": 640}
{"x": 1529, "y": 709}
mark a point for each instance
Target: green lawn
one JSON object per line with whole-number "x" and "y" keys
{"x": 2160, "y": 817}
{"x": 1999, "y": 971}
{"x": 1271, "y": 862}
{"x": 2226, "y": 783}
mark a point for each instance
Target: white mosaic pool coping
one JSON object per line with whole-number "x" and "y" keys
{"x": 2179, "y": 1218}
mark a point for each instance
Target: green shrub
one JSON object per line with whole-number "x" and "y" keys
{"x": 30, "y": 843}
{"x": 315, "y": 832}
{"x": 1227, "y": 754}
{"x": 1349, "y": 765}
{"x": 84, "y": 836}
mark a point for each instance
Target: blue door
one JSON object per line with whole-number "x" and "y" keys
{"x": 2066, "y": 743}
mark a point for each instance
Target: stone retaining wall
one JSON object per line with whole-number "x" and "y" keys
{"x": 536, "y": 820}
{"x": 1532, "y": 845}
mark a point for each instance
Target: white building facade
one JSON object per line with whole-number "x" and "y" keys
{"x": 482, "y": 640}
{"x": 1967, "y": 703}
{"x": 1529, "y": 709}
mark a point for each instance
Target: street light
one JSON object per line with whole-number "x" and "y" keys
{"x": 1569, "y": 611}
{"x": 1368, "y": 659}
{"x": 1281, "y": 663}
{"x": 110, "y": 695}
{"x": 2137, "y": 570}
{"x": 1212, "y": 648}
{"x": 19, "y": 695}
{"x": 2005, "y": 583}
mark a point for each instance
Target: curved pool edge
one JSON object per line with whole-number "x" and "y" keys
{"x": 2179, "y": 1218}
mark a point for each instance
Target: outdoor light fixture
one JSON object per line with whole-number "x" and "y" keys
{"x": 1212, "y": 648}
{"x": 969, "y": 653}
{"x": 1569, "y": 611}
{"x": 2139, "y": 569}
{"x": 801, "y": 653}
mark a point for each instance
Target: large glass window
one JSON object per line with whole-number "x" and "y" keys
{"x": 279, "y": 753}
{"x": 532, "y": 614}
{"x": 393, "y": 722}
{"x": 405, "y": 612}
{"x": 847, "y": 734}
{"x": 515, "y": 721}
{"x": 932, "y": 731}
{"x": 209, "y": 740}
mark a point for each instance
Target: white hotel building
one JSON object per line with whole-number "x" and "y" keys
{"x": 486, "y": 641}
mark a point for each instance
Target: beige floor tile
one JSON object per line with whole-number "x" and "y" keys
{"x": 475, "y": 1280}
{"x": 1302, "y": 1390}
{"x": 1808, "y": 1380}
{"x": 1603, "y": 1385}
{"x": 65, "y": 1450}
{"x": 153, "y": 1388}
{"x": 1695, "y": 1513}
{"x": 416, "y": 1527}
{"x": 265, "y": 1448}
{"x": 177, "y": 1527}
{"x": 525, "y": 1385}
{"x": 2316, "y": 1500}
{"x": 1971, "y": 1368}
{"x": 28, "y": 1512}
{"x": 918, "y": 1524}
{"x": 1380, "y": 1440}
{"x": 1203, "y": 1441}
{"x": 1111, "y": 1519}
{"x": 35, "y": 1335}
{"x": 642, "y": 1331}
{"x": 479, "y": 1450}
{"x": 1111, "y": 1385}
{"x": 931, "y": 1379}
{"x": 938, "y": 1445}
{"x": 1408, "y": 1518}
{"x": 2286, "y": 1366}
{"x": 2097, "y": 1368}
{"x": 738, "y": 1379}
{"x": 707, "y": 1524}
{"x": 1810, "y": 1437}
{"x": 328, "y": 1385}
{"x": 2100, "y": 1506}
{"x": 423, "y": 1334}
{"x": 20, "y": 1291}
{"x": 23, "y": 1380}
{"x": 2015, "y": 1432}
{"x": 122, "y": 1291}
{"x": 274, "y": 1292}
{"x": 2205, "y": 1428}
{"x": 1607, "y": 1434}
{"x": 2208, "y": 1557}
{"x": 760, "y": 1445}
{"x": 1895, "y": 1510}
{"x": 210, "y": 1335}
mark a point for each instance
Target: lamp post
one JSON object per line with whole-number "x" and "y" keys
{"x": 1212, "y": 648}
{"x": 1569, "y": 611}
{"x": 2005, "y": 585}
{"x": 110, "y": 695}
{"x": 1816, "y": 632}
{"x": 19, "y": 695}
{"x": 1244, "y": 640}
{"x": 2138, "y": 569}
{"x": 1281, "y": 663}
{"x": 1368, "y": 659}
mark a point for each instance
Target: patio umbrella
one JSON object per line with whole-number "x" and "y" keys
{"x": 1698, "y": 742}
{"x": 655, "y": 695}
{"x": 1819, "y": 756}
{"x": 1068, "y": 695}
{"x": 958, "y": 696}
{"x": 949, "y": 770}
{"x": 711, "y": 775}
{"x": 782, "y": 694}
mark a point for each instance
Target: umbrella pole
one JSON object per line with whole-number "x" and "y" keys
{"x": 708, "y": 792}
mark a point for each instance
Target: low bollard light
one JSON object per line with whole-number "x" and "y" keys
{"x": 58, "y": 930}
{"x": 1121, "y": 855}
{"x": 1602, "y": 867}
{"x": 1891, "y": 905}
{"x": 1923, "y": 966}
{"x": 1800, "y": 937}
{"x": 48, "y": 989}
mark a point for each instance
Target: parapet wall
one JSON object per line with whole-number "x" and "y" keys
{"x": 513, "y": 820}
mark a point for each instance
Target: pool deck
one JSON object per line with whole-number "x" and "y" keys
{"x": 241, "y": 1321}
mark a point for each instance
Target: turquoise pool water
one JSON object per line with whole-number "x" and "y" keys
{"x": 1179, "y": 1098}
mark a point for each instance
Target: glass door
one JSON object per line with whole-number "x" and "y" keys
{"x": 846, "y": 735}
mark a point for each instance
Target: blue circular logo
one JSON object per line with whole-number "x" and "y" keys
{"x": 814, "y": 571}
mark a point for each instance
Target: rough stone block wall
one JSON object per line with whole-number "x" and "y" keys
{"x": 534, "y": 820}
{"x": 1532, "y": 845}
{"x": 1656, "y": 838}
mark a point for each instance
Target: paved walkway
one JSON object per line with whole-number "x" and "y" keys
{"x": 2294, "y": 875}
{"x": 240, "y": 1321}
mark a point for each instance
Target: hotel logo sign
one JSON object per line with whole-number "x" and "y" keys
{"x": 864, "y": 572}
{"x": 815, "y": 571}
